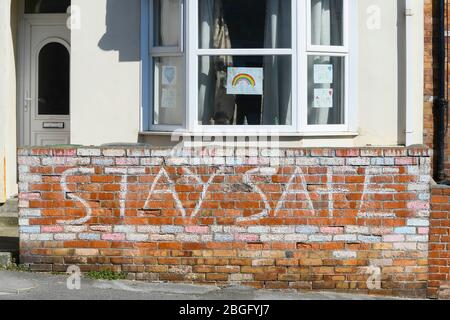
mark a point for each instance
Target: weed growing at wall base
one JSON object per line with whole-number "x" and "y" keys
{"x": 106, "y": 275}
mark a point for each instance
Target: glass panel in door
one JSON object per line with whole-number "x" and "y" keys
{"x": 54, "y": 80}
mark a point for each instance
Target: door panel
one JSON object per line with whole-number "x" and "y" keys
{"x": 47, "y": 85}
{"x": 50, "y": 139}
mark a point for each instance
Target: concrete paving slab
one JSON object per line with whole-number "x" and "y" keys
{"x": 15, "y": 283}
{"x": 39, "y": 286}
{"x": 168, "y": 288}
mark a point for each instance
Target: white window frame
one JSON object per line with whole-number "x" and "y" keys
{"x": 343, "y": 51}
{"x": 301, "y": 49}
{"x": 149, "y": 52}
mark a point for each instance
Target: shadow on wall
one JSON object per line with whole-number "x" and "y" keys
{"x": 122, "y": 29}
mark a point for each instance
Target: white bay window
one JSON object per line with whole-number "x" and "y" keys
{"x": 242, "y": 66}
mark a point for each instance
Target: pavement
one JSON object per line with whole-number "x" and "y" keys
{"x": 42, "y": 286}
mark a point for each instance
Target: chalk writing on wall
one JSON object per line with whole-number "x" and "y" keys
{"x": 296, "y": 185}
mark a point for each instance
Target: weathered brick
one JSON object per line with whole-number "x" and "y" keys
{"x": 30, "y": 229}
{"x": 197, "y": 229}
{"x": 65, "y": 236}
{"x": 86, "y": 252}
{"x": 418, "y": 222}
{"x": 153, "y": 229}
{"x": 89, "y": 152}
{"x": 113, "y": 152}
{"x": 405, "y": 230}
{"x": 172, "y": 229}
{"x": 369, "y": 239}
{"x": 113, "y": 236}
{"x": 296, "y": 237}
{"x": 344, "y": 254}
{"x": 358, "y": 161}
{"x": 345, "y": 237}
{"x": 357, "y": 229}
{"x": 320, "y": 238}
{"x": 89, "y": 236}
{"x": 223, "y": 237}
{"x": 394, "y": 238}
{"x": 139, "y": 237}
{"x": 258, "y": 229}
{"x": 404, "y": 246}
{"x": 124, "y": 229}
{"x": 29, "y": 213}
{"x": 307, "y": 229}
{"x": 52, "y": 229}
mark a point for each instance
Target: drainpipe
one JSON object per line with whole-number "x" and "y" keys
{"x": 409, "y": 48}
{"x": 441, "y": 103}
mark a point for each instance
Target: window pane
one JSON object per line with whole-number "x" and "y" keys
{"x": 54, "y": 80}
{"x": 326, "y": 83}
{"x": 168, "y": 91}
{"x": 245, "y": 90}
{"x": 46, "y": 6}
{"x": 167, "y": 23}
{"x": 327, "y": 22}
{"x": 240, "y": 24}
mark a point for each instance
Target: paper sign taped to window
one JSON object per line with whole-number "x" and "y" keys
{"x": 323, "y": 98}
{"x": 169, "y": 75}
{"x": 168, "y": 98}
{"x": 323, "y": 73}
{"x": 245, "y": 81}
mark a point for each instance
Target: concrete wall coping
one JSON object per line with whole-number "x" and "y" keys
{"x": 152, "y": 151}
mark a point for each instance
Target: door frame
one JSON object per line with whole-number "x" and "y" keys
{"x": 26, "y": 22}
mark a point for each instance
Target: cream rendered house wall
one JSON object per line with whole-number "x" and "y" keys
{"x": 382, "y": 73}
{"x": 106, "y": 75}
{"x": 378, "y": 73}
{"x": 8, "y": 32}
{"x": 105, "y": 72}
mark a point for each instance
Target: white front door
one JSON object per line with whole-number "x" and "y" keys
{"x": 46, "y": 86}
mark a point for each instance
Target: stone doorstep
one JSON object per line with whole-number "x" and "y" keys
{"x": 9, "y": 214}
{"x": 10, "y": 208}
{"x": 9, "y": 232}
{"x": 9, "y": 221}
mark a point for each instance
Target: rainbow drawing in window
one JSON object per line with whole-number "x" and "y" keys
{"x": 245, "y": 81}
{"x": 245, "y": 78}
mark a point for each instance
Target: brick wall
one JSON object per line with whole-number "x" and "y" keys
{"x": 336, "y": 219}
{"x": 439, "y": 278}
{"x": 439, "y": 281}
{"x": 431, "y": 81}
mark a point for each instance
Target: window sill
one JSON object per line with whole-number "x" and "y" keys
{"x": 250, "y": 134}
